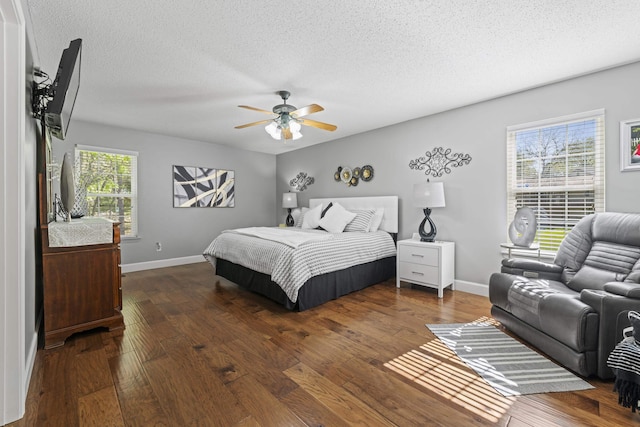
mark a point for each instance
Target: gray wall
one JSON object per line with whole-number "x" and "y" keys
{"x": 183, "y": 232}
{"x": 475, "y": 215}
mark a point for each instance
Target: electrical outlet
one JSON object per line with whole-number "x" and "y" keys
{"x": 158, "y": 246}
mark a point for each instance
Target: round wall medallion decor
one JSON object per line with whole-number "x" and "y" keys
{"x": 367, "y": 173}
{"x": 346, "y": 174}
{"x": 352, "y": 177}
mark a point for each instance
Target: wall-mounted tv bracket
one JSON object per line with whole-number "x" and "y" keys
{"x": 40, "y": 94}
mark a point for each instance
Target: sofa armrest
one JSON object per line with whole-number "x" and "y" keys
{"x": 625, "y": 289}
{"x": 613, "y": 310}
{"x": 532, "y": 268}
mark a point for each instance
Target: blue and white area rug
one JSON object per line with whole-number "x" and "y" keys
{"x": 510, "y": 367}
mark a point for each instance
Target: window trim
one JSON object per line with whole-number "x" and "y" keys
{"x": 598, "y": 186}
{"x": 134, "y": 184}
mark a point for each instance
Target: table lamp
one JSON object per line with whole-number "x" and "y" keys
{"x": 289, "y": 201}
{"x": 427, "y": 195}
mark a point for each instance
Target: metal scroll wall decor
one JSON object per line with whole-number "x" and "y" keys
{"x": 439, "y": 161}
{"x": 351, "y": 177}
{"x": 203, "y": 187}
{"x": 301, "y": 181}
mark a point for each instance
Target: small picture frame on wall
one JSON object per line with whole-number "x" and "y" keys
{"x": 629, "y": 145}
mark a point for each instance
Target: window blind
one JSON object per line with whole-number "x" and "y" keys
{"x": 556, "y": 167}
{"x": 110, "y": 178}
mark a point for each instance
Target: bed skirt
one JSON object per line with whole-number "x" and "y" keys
{"x": 317, "y": 290}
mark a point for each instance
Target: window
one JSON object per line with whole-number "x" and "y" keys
{"x": 556, "y": 167}
{"x": 110, "y": 177}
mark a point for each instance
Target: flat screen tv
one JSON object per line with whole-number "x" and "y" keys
{"x": 63, "y": 90}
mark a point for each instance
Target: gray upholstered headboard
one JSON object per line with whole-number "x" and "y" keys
{"x": 389, "y": 203}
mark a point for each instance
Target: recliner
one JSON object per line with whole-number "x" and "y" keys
{"x": 575, "y": 308}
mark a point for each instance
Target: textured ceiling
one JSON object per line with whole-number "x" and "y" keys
{"x": 181, "y": 67}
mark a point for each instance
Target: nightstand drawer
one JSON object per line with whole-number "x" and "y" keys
{"x": 418, "y": 273}
{"x": 418, "y": 254}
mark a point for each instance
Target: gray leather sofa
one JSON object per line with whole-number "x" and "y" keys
{"x": 575, "y": 308}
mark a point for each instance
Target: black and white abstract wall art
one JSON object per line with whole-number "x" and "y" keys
{"x": 184, "y": 186}
{"x": 225, "y": 189}
{"x": 203, "y": 187}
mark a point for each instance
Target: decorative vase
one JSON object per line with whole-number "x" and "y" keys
{"x": 80, "y": 205}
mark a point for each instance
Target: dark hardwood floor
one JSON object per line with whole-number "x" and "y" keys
{"x": 197, "y": 350}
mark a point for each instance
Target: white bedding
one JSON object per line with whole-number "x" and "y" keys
{"x": 290, "y": 267}
{"x": 285, "y": 236}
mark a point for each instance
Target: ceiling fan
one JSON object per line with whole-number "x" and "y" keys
{"x": 286, "y": 124}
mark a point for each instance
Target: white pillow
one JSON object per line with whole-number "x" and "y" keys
{"x": 297, "y": 219}
{"x": 336, "y": 219}
{"x": 376, "y": 220}
{"x": 362, "y": 221}
{"x": 311, "y": 217}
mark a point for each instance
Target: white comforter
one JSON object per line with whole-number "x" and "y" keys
{"x": 281, "y": 235}
{"x": 290, "y": 265}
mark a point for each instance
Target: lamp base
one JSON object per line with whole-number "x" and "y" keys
{"x": 289, "y": 218}
{"x": 431, "y": 235}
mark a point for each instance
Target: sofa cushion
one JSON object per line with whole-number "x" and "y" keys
{"x": 554, "y": 309}
{"x": 620, "y": 228}
{"x": 634, "y": 276}
{"x": 570, "y": 321}
{"x": 525, "y": 297}
{"x": 606, "y": 262}
{"x": 575, "y": 247}
{"x": 593, "y": 278}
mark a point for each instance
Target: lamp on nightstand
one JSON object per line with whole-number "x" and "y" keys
{"x": 289, "y": 201}
{"x": 428, "y": 195}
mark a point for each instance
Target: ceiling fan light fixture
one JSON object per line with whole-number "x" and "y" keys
{"x": 274, "y": 130}
{"x": 288, "y": 123}
{"x": 294, "y": 126}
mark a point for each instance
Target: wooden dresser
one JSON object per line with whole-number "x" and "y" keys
{"x": 81, "y": 288}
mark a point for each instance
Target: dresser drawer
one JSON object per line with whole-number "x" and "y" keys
{"x": 418, "y": 254}
{"x": 418, "y": 273}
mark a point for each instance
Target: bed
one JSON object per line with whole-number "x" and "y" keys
{"x": 301, "y": 268}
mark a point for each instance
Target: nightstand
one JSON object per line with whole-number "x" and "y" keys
{"x": 430, "y": 264}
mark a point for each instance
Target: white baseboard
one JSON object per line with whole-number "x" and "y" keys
{"x": 161, "y": 263}
{"x": 31, "y": 354}
{"x": 472, "y": 288}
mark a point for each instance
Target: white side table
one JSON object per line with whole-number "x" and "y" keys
{"x": 535, "y": 247}
{"x": 430, "y": 264}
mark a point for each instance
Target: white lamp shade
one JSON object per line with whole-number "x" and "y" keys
{"x": 274, "y": 130}
{"x": 428, "y": 195}
{"x": 290, "y": 200}
{"x": 294, "y": 126}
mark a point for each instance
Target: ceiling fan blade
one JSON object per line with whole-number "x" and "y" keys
{"x": 286, "y": 134}
{"x": 261, "y": 122}
{"x": 259, "y": 110}
{"x": 305, "y": 111}
{"x": 319, "y": 125}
